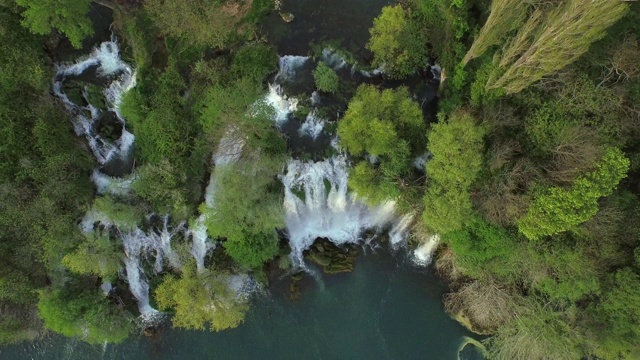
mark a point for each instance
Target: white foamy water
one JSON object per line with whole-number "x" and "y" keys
{"x": 289, "y": 65}
{"x": 316, "y": 201}
{"x": 228, "y": 151}
{"x": 106, "y": 60}
{"x": 106, "y": 184}
{"x": 282, "y": 104}
{"x": 312, "y": 125}
{"x": 423, "y": 254}
{"x": 138, "y": 246}
{"x": 332, "y": 59}
{"x": 400, "y": 230}
{"x": 326, "y": 209}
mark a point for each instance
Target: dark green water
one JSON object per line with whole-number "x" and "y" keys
{"x": 385, "y": 309}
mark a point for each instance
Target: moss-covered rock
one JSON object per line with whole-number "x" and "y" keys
{"x": 331, "y": 258}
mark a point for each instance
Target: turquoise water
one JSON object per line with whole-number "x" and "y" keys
{"x": 385, "y": 309}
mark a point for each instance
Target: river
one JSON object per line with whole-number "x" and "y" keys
{"x": 387, "y": 308}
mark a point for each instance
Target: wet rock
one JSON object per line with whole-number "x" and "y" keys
{"x": 287, "y": 17}
{"x": 150, "y": 332}
{"x": 331, "y": 258}
{"x": 294, "y": 287}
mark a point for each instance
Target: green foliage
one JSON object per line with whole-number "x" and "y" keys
{"x": 551, "y": 40}
{"x": 398, "y": 43}
{"x": 135, "y": 30}
{"x": 98, "y": 255}
{"x": 200, "y": 299}
{"x": 68, "y": 16}
{"x": 457, "y": 147}
{"x": 233, "y": 110}
{"x": 76, "y": 310}
{"x": 483, "y": 248}
{"x": 505, "y": 17}
{"x": 480, "y": 95}
{"x": 446, "y": 23}
{"x": 570, "y": 274}
{"x": 389, "y": 126}
{"x": 125, "y": 217}
{"x": 162, "y": 127}
{"x": 558, "y": 209}
{"x": 619, "y": 314}
{"x": 199, "y": 23}
{"x": 162, "y": 186}
{"x": 540, "y": 333}
{"x": 247, "y": 210}
{"x": 255, "y": 61}
{"x": 326, "y": 79}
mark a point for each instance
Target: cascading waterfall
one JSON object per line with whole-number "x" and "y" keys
{"x": 136, "y": 245}
{"x": 164, "y": 239}
{"x": 228, "y": 151}
{"x": 317, "y": 203}
{"x": 106, "y": 60}
{"x": 139, "y": 246}
{"x": 327, "y": 209}
{"x": 106, "y": 184}
{"x": 423, "y": 254}
{"x": 312, "y": 125}
{"x": 289, "y": 65}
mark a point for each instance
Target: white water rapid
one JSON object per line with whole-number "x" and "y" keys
{"x": 228, "y": 151}
{"x": 317, "y": 202}
{"x": 106, "y": 60}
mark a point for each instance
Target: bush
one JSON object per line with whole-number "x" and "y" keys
{"x": 398, "y": 44}
{"x": 255, "y": 61}
{"x": 326, "y": 79}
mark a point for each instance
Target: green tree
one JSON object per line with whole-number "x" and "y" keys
{"x": 483, "y": 248}
{"x": 505, "y": 17}
{"x": 618, "y": 315}
{"x": 248, "y": 210}
{"x": 98, "y": 255}
{"x": 551, "y": 40}
{"x": 326, "y": 79}
{"x": 457, "y": 147}
{"x": 125, "y": 217}
{"x": 397, "y": 43}
{"x": 200, "y": 299}
{"x": 559, "y": 209}
{"x": 255, "y": 61}
{"x": 389, "y": 126}
{"x": 68, "y": 16}
{"x": 77, "y": 310}
{"x": 199, "y": 22}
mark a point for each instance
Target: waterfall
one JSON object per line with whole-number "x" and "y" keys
{"x": 326, "y": 209}
{"x": 164, "y": 239}
{"x": 423, "y": 254}
{"x": 105, "y": 59}
{"x": 228, "y": 151}
{"x": 137, "y": 244}
{"x": 289, "y": 64}
{"x": 400, "y": 230}
{"x": 111, "y": 185}
{"x": 436, "y": 71}
{"x": 316, "y": 200}
{"x": 420, "y": 161}
{"x": 332, "y": 59}
{"x": 312, "y": 125}
{"x": 281, "y": 103}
